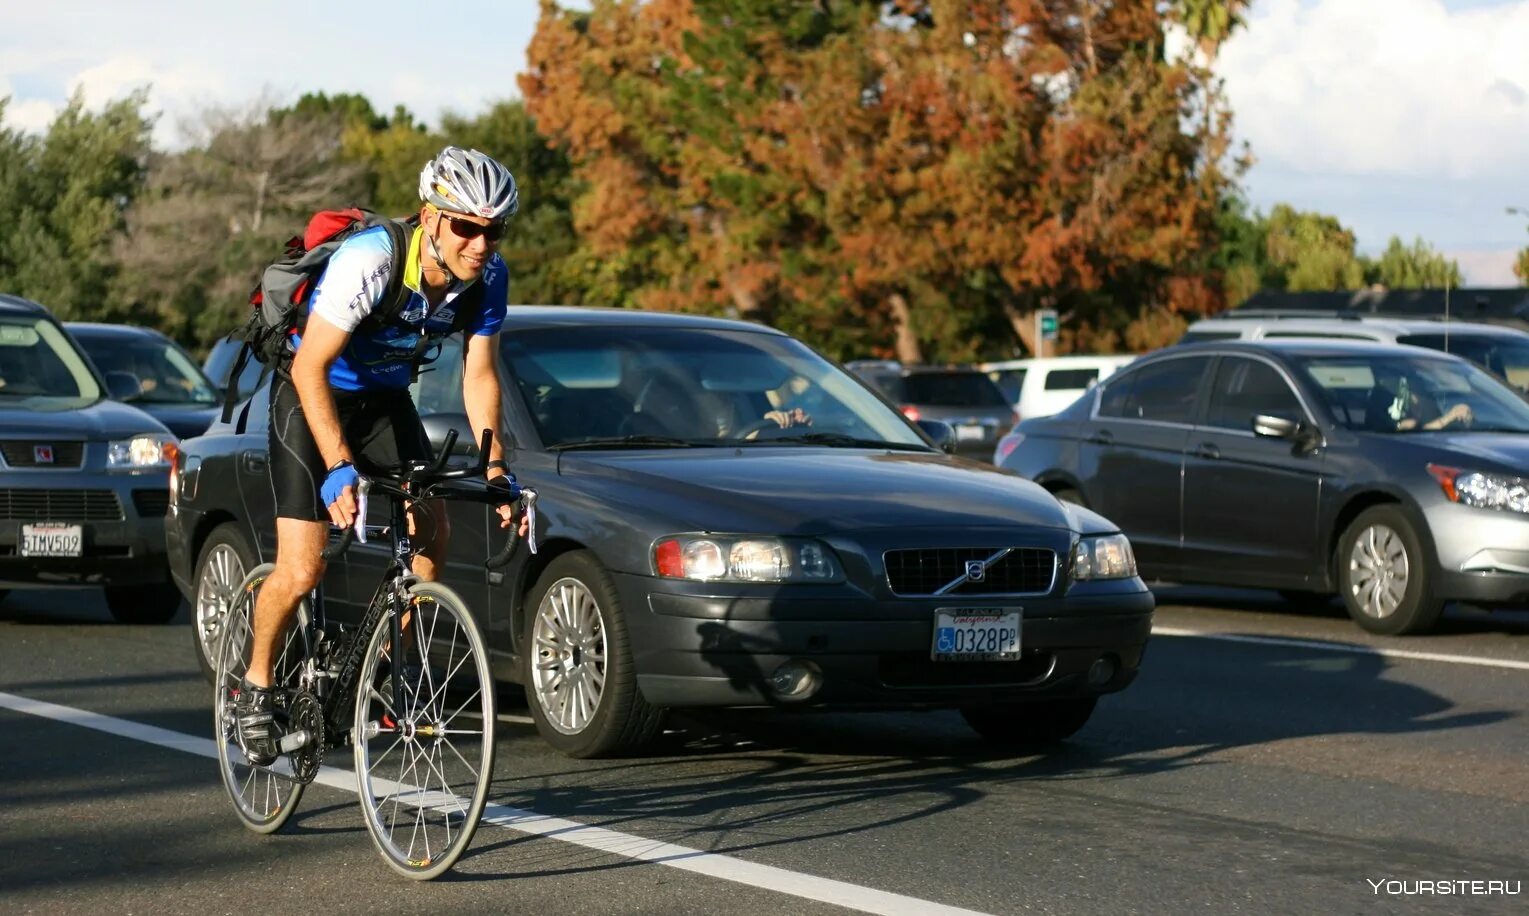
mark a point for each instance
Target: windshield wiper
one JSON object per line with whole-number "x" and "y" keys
{"x": 627, "y": 442}
{"x": 838, "y": 440}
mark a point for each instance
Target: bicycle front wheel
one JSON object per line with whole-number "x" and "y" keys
{"x": 423, "y": 766}
{"x": 263, "y": 797}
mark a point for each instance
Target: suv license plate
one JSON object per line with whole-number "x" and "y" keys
{"x": 51, "y": 540}
{"x": 965, "y": 433}
{"x": 976, "y": 634}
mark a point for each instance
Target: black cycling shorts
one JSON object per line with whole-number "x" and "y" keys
{"x": 382, "y": 429}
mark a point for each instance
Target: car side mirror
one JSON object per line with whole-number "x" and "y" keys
{"x": 437, "y": 425}
{"x": 123, "y": 386}
{"x": 942, "y": 434}
{"x": 1303, "y": 435}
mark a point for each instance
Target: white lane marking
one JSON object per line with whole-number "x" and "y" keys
{"x": 766, "y": 877}
{"x": 518, "y": 720}
{"x": 1340, "y": 647}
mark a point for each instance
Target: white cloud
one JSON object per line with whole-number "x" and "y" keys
{"x": 1403, "y": 87}
{"x": 1486, "y": 268}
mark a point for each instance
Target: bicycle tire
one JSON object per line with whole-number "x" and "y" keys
{"x": 423, "y": 814}
{"x": 264, "y": 798}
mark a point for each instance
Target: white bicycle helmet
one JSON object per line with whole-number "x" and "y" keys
{"x": 467, "y": 181}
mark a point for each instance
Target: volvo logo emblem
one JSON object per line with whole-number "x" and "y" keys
{"x": 42, "y": 454}
{"x": 975, "y": 570}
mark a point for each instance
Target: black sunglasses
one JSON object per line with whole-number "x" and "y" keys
{"x": 467, "y": 229}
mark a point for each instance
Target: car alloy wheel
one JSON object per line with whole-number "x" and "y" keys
{"x": 569, "y": 666}
{"x": 222, "y": 572}
{"x": 1378, "y": 571}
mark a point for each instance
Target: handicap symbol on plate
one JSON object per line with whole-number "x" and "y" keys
{"x": 947, "y": 639}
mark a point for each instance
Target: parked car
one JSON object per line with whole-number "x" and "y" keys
{"x": 154, "y": 374}
{"x": 1502, "y": 351}
{"x": 718, "y": 559}
{"x": 965, "y": 398}
{"x": 1040, "y": 387}
{"x": 84, "y": 480}
{"x": 1393, "y": 476}
{"x": 219, "y": 367}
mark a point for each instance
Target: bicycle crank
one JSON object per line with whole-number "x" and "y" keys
{"x": 304, "y": 742}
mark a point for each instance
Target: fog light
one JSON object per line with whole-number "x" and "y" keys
{"x": 796, "y": 680}
{"x": 1102, "y": 671}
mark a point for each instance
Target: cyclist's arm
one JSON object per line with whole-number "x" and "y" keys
{"x": 481, "y": 396}
{"x": 321, "y": 346}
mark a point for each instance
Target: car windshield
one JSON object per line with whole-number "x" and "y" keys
{"x": 1406, "y": 394}
{"x": 952, "y": 389}
{"x": 40, "y": 369}
{"x": 1505, "y": 357}
{"x": 164, "y": 373}
{"x": 652, "y": 387}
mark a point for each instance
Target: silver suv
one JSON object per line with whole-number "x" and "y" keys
{"x": 1500, "y": 350}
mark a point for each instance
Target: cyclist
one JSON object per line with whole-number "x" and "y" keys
{"x": 346, "y": 394}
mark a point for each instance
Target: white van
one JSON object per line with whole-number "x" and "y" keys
{"x": 1047, "y": 385}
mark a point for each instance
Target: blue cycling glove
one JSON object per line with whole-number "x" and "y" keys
{"x": 509, "y": 486}
{"x": 339, "y": 477}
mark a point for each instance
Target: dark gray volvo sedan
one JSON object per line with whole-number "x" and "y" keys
{"x": 1395, "y": 476}
{"x": 727, "y": 519}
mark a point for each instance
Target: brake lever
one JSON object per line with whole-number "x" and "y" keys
{"x": 354, "y": 531}
{"x": 527, "y": 501}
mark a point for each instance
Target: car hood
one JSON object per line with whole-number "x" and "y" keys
{"x": 102, "y": 420}
{"x": 1504, "y": 452}
{"x": 183, "y": 420}
{"x": 816, "y": 491}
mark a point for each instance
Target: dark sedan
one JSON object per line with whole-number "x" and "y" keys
{"x": 145, "y": 368}
{"x": 83, "y": 479}
{"x": 697, "y": 549}
{"x": 970, "y": 402}
{"x": 1391, "y": 475}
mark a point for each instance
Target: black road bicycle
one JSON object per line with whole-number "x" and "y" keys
{"x": 410, "y": 689}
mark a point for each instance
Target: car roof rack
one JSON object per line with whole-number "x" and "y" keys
{"x": 1291, "y": 313}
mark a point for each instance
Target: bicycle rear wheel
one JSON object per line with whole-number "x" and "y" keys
{"x": 423, "y": 771}
{"x": 263, "y": 797}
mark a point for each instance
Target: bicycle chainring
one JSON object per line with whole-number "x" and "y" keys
{"x": 307, "y": 714}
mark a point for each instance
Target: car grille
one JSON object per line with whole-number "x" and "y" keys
{"x": 22, "y": 453}
{"x": 60, "y": 505}
{"x": 152, "y": 503}
{"x": 923, "y": 572}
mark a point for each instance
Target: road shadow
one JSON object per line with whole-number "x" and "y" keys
{"x": 1458, "y": 619}
{"x": 67, "y": 606}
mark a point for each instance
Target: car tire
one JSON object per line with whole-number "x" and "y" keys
{"x": 1384, "y": 575}
{"x": 225, "y": 560}
{"x": 575, "y": 601}
{"x": 1030, "y": 725}
{"x": 157, "y": 603}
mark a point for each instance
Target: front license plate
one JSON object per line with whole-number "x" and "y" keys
{"x": 970, "y": 434}
{"x": 51, "y": 540}
{"x": 987, "y": 634}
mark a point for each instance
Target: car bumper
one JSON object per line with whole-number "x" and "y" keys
{"x": 128, "y": 549}
{"x": 1483, "y": 555}
{"x": 694, "y": 648}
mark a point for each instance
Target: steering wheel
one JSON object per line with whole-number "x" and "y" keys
{"x": 758, "y": 426}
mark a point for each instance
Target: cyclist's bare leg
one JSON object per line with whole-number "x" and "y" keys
{"x": 299, "y": 568}
{"x": 430, "y": 532}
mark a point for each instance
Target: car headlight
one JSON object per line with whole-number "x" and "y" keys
{"x": 140, "y": 453}
{"x": 1484, "y": 491}
{"x": 1107, "y": 557}
{"x": 707, "y": 558}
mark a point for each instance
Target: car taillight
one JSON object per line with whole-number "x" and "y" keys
{"x": 910, "y": 412}
{"x": 1006, "y": 447}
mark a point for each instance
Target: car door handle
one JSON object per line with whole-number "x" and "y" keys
{"x": 1102, "y": 437}
{"x": 1207, "y": 450}
{"x": 254, "y": 461}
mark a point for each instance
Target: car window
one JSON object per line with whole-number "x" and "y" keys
{"x": 165, "y": 374}
{"x": 219, "y": 365}
{"x": 952, "y": 389}
{"x": 1506, "y": 357}
{"x": 41, "y": 369}
{"x": 1163, "y": 391}
{"x": 1070, "y": 379}
{"x": 439, "y": 386}
{"x": 1010, "y": 381}
{"x": 1202, "y": 336}
{"x": 704, "y": 386}
{"x": 1248, "y": 387}
{"x": 1404, "y": 394}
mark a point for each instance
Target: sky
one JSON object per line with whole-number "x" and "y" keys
{"x": 1400, "y": 117}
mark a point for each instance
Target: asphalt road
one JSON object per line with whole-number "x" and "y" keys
{"x": 1265, "y": 761}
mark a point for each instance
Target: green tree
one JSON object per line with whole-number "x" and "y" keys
{"x": 1521, "y": 266}
{"x": 1415, "y": 266}
{"x": 1308, "y": 251}
{"x": 66, "y": 195}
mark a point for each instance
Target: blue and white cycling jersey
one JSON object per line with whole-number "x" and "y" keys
{"x": 350, "y": 289}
